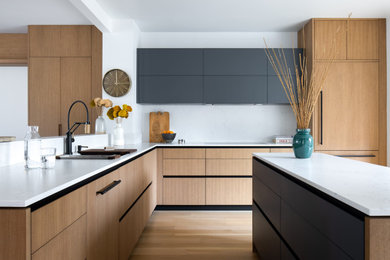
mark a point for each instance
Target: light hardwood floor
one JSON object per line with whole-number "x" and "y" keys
{"x": 197, "y": 235}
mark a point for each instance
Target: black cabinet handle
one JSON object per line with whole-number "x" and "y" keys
{"x": 321, "y": 119}
{"x": 108, "y": 187}
{"x": 356, "y": 155}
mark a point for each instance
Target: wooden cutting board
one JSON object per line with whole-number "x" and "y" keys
{"x": 158, "y": 122}
{"x": 107, "y": 151}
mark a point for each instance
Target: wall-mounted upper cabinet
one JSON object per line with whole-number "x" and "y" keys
{"x": 292, "y": 59}
{"x": 234, "y": 62}
{"x": 328, "y": 34}
{"x": 209, "y": 76}
{"x": 171, "y": 62}
{"x": 362, "y": 39}
{"x": 60, "y": 40}
{"x": 13, "y": 49}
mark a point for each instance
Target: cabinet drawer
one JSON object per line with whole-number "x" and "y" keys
{"x": 337, "y": 225}
{"x": 51, "y": 219}
{"x": 268, "y": 201}
{"x": 269, "y": 177}
{"x": 184, "y": 191}
{"x": 228, "y": 167}
{"x": 133, "y": 223}
{"x": 282, "y": 150}
{"x": 265, "y": 239}
{"x": 363, "y": 156}
{"x": 307, "y": 242}
{"x": 228, "y": 191}
{"x": 184, "y": 167}
{"x": 183, "y": 153}
{"x": 233, "y": 153}
{"x": 69, "y": 244}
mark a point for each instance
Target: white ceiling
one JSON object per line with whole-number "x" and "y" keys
{"x": 236, "y": 15}
{"x": 15, "y": 15}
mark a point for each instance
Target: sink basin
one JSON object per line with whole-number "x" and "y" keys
{"x": 87, "y": 157}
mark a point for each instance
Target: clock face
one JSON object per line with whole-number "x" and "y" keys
{"x": 116, "y": 83}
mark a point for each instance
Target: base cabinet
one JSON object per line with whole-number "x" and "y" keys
{"x": 228, "y": 191}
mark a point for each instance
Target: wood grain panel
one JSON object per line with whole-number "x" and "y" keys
{"x": 228, "y": 167}
{"x": 14, "y": 46}
{"x": 368, "y": 155}
{"x": 159, "y": 186}
{"x": 44, "y": 40}
{"x": 183, "y": 153}
{"x": 350, "y": 95}
{"x": 69, "y": 244}
{"x": 96, "y": 60}
{"x": 184, "y": 167}
{"x": 281, "y": 150}
{"x": 15, "y": 234}
{"x": 75, "y": 85}
{"x": 132, "y": 225}
{"x": 377, "y": 238}
{"x": 75, "y": 40}
{"x": 362, "y": 39}
{"x": 184, "y": 191}
{"x": 51, "y": 219}
{"x": 103, "y": 218}
{"x": 228, "y": 191}
{"x": 44, "y": 102}
{"x": 382, "y": 83}
{"x": 324, "y": 36}
{"x": 233, "y": 153}
{"x": 306, "y": 41}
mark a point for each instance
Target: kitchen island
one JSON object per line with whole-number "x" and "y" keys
{"x": 324, "y": 207}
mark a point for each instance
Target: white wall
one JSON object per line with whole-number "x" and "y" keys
{"x": 120, "y": 51}
{"x": 13, "y": 104}
{"x": 221, "y": 123}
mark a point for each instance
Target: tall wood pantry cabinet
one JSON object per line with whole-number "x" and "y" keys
{"x": 64, "y": 65}
{"x": 350, "y": 117}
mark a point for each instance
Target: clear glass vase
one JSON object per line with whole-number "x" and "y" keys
{"x": 118, "y": 133}
{"x": 32, "y": 148}
{"x": 100, "y": 125}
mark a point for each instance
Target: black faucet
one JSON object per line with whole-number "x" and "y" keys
{"x": 69, "y": 139}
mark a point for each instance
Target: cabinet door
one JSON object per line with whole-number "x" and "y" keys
{"x": 170, "y": 89}
{"x": 236, "y": 62}
{"x": 349, "y": 108}
{"x": 229, "y": 167}
{"x": 235, "y": 89}
{"x": 276, "y": 93}
{"x": 44, "y": 40}
{"x": 103, "y": 217}
{"x": 69, "y": 244}
{"x": 228, "y": 191}
{"x": 184, "y": 191}
{"x": 75, "y": 40}
{"x": 325, "y": 34}
{"x": 44, "y": 95}
{"x": 172, "y": 62}
{"x": 362, "y": 39}
{"x": 181, "y": 167}
{"x": 363, "y": 156}
{"x": 75, "y": 85}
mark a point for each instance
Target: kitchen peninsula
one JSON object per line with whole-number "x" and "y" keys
{"x": 325, "y": 207}
{"x": 97, "y": 209}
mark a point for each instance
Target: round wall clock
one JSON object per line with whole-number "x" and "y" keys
{"x": 116, "y": 83}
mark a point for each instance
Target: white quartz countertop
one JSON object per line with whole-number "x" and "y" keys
{"x": 20, "y": 187}
{"x": 363, "y": 186}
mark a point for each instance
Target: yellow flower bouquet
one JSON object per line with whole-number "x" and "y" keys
{"x": 117, "y": 111}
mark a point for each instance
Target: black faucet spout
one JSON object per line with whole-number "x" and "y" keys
{"x": 69, "y": 138}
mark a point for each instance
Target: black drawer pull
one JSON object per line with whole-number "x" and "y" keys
{"x": 108, "y": 187}
{"x": 356, "y": 155}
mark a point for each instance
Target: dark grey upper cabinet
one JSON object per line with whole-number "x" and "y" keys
{"x": 289, "y": 54}
{"x": 276, "y": 93}
{"x": 170, "y": 89}
{"x": 235, "y": 89}
{"x": 235, "y": 62}
{"x": 170, "y": 62}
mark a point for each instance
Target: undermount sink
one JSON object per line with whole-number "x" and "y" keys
{"x": 87, "y": 157}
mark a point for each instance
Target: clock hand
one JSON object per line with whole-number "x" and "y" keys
{"x": 116, "y": 77}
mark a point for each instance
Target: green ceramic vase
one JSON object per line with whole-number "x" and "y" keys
{"x": 303, "y": 143}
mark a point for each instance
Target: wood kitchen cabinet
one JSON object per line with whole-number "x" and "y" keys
{"x": 13, "y": 49}
{"x": 103, "y": 217}
{"x": 351, "y": 111}
{"x": 64, "y": 66}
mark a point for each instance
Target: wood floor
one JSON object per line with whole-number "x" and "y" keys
{"x": 197, "y": 235}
